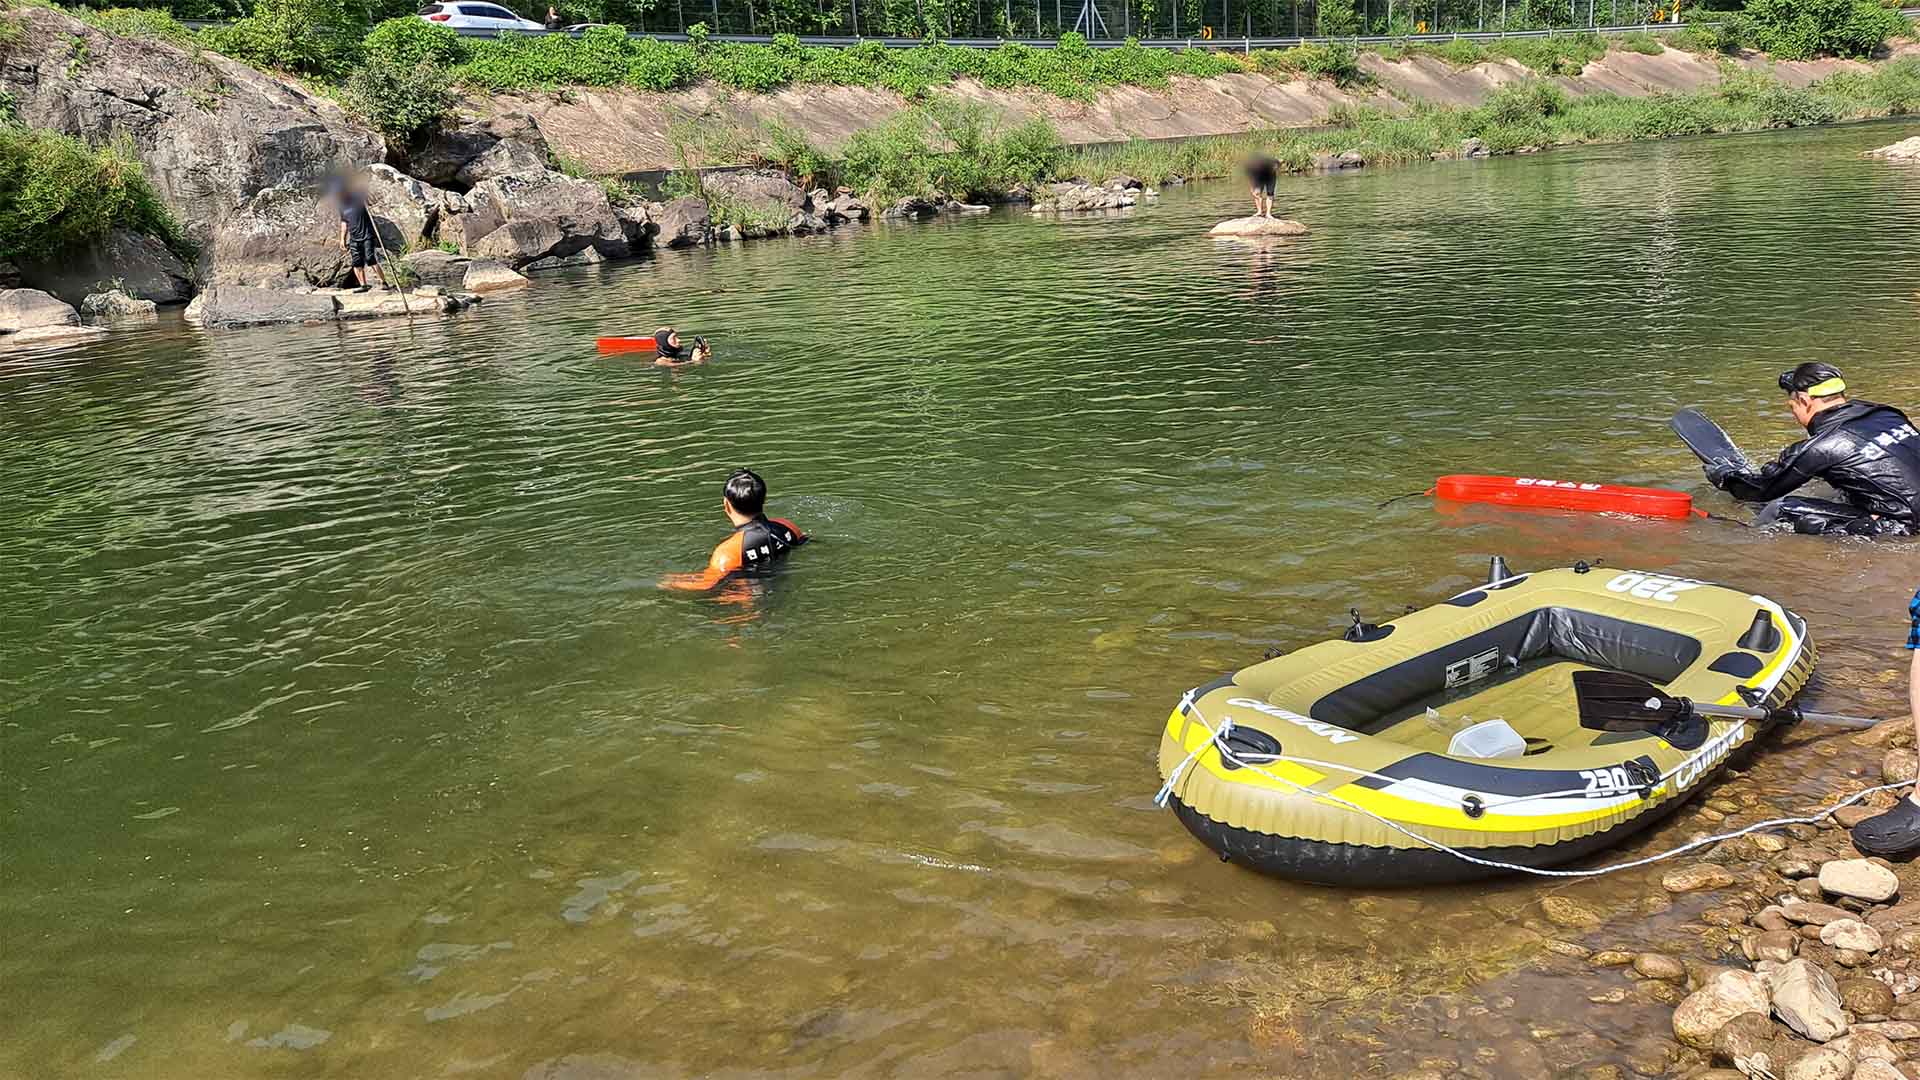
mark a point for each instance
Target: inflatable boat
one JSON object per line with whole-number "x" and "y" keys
{"x": 1362, "y": 761}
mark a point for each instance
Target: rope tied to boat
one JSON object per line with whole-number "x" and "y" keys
{"x": 1217, "y": 737}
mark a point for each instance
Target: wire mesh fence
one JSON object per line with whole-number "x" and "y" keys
{"x": 1114, "y": 20}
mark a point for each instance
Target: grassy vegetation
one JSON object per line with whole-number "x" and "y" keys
{"x": 1536, "y": 114}
{"x": 57, "y": 193}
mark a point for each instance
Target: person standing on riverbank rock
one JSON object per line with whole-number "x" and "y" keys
{"x": 1263, "y": 173}
{"x": 758, "y": 542}
{"x": 356, "y": 234}
{"x": 1897, "y": 831}
{"x": 1869, "y": 453}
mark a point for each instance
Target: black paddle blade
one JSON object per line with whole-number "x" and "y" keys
{"x": 1614, "y": 701}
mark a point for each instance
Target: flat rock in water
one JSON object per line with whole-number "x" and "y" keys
{"x": 1810, "y": 914}
{"x": 1258, "y": 226}
{"x": 1695, "y": 878}
{"x": 1904, "y": 150}
{"x": 1807, "y": 1000}
{"x": 1822, "y": 1063}
{"x": 1563, "y": 911}
{"x": 28, "y": 309}
{"x": 1859, "y": 879}
{"x": 1851, "y": 934}
{"x": 1725, "y": 996}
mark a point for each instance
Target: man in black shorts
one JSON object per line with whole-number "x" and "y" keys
{"x": 1263, "y": 172}
{"x": 356, "y": 234}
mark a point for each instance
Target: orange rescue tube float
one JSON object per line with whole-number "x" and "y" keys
{"x": 626, "y": 344}
{"x": 1538, "y": 494}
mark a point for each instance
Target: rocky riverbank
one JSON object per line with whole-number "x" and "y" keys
{"x": 1808, "y": 965}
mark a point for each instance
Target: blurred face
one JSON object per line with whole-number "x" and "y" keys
{"x": 1802, "y": 408}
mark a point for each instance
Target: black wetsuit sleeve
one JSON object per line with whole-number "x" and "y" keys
{"x": 1797, "y": 464}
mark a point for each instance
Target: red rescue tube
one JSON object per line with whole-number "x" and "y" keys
{"x": 626, "y": 344}
{"x": 1542, "y": 494}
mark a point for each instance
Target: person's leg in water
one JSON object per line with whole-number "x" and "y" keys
{"x": 1897, "y": 831}
{"x": 1817, "y": 517}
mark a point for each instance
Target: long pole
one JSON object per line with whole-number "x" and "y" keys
{"x": 397, "y": 279}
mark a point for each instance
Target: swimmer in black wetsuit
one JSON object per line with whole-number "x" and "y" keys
{"x": 1263, "y": 172}
{"x": 1869, "y": 453}
{"x": 756, "y": 545}
{"x": 670, "y": 353}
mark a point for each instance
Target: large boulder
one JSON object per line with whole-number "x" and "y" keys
{"x": 684, "y": 222}
{"x": 212, "y": 132}
{"x": 553, "y": 217}
{"x": 485, "y": 275}
{"x": 762, "y": 195}
{"x": 114, "y": 303}
{"x": 137, "y": 265}
{"x": 436, "y": 267}
{"x": 222, "y": 306}
{"x": 637, "y": 221}
{"x": 466, "y": 153}
{"x": 290, "y": 234}
{"x": 31, "y": 309}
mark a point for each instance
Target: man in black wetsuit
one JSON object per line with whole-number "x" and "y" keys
{"x": 1868, "y": 453}
{"x": 1263, "y": 172}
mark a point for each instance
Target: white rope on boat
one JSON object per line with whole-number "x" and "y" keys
{"x": 1218, "y": 738}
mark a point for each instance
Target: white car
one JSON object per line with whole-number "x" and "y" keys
{"x": 467, "y": 15}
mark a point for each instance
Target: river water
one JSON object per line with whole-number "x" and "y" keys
{"x": 346, "y": 733}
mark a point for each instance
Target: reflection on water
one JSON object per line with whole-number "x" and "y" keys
{"x": 346, "y": 733}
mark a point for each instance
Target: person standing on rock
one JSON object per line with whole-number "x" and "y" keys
{"x": 1897, "y": 831}
{"x": 356, "y": 235}
{"x": 1263, "y": 173}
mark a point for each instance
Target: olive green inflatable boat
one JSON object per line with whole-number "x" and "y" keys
{"x": 1350, "y": 761}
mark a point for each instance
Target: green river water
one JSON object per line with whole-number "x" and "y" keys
{"x": 346, "y": 734}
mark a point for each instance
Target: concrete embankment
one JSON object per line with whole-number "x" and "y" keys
{"x": 614, "y": 132}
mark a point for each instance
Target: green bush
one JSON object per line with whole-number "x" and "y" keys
{"x": 1640, "y": 42}
{"x": 56, "y": 193}
{"x": 1803, "y": 29}
{"x": 1557, "y": 54}
{"x": 790, "y": 152}
{"x": 138, "y": 23}
{"x": 404, "y": 102}
{"x": 660, "y": 66}
{"x": 408, "y": 41}
{"x": 1336, "y": 18}
{"x": 1526, "y": 102}
{"x": 1337, "y": 62}
{"x": 952, "y": 149}
{"x": 307, "y": 37}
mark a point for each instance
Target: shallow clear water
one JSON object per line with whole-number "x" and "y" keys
{"x": 346, "y": 734}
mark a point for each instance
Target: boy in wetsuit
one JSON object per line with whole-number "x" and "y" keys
{"x": 1897, "y": 831}
{"x": 757, "y": 543}
{"x": 1263, "y": 172}
{"x": 669, "y": 352}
